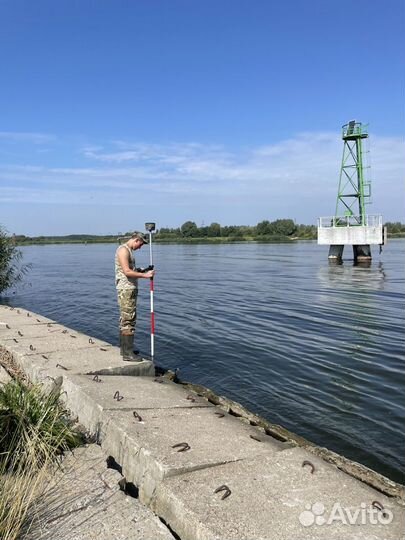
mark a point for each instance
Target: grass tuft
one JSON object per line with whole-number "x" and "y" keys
{"x": 34, "y": 430}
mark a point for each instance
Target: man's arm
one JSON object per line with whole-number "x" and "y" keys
{"x": 123, "y": 259}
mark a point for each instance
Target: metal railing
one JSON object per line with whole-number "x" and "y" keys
{"x": 372, "y": 220}
{"x": 354, "y": 129}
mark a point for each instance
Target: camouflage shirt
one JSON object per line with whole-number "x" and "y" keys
{"x": 121, "y": 280}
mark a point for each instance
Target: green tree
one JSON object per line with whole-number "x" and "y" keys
{"x": 214, "y": 230}
{"x": 11, "y": 269}
{"x": 285, "y": 227}
{"x": 189, "y": 229}
{"x": 263, "y": 228}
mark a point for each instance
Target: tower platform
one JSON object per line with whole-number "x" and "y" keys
{"x": 359, "y": 232}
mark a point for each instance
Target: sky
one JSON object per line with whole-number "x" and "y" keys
{"x": 114, "y": 113}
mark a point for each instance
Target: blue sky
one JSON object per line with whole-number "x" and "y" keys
{"x": 113, "y": 113}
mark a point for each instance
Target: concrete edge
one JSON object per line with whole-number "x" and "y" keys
{"x": 352, "y": 468}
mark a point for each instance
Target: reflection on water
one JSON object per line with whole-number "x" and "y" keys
{"x": 318, "y": 348}
{"x": 368, "y": 274}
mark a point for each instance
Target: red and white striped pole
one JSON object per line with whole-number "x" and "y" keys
{"x": 151, "y": 227}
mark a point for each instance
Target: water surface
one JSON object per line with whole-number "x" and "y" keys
{"x": 316, "y": 348}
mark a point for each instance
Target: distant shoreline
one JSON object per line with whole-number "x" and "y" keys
{"x": 42, "y": 241}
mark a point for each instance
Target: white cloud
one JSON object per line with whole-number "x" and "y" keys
{"x": 30, "y": 137}
{"x": 296, "y": 177}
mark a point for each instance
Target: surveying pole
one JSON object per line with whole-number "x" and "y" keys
{"x": 150, "y": 227}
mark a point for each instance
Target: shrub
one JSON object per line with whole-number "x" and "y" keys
{"x": 11, "y": 270}
{"x": 29, "y": 417}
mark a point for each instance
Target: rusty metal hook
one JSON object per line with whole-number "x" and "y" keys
{"x": 224, "y": 488}
{"x": 306, "y": 462}
{"x": 137, "y": 416}
{"x": 62, "y": 367}
{"x": 380, "y": 507}
{"x": 182, "y": 446}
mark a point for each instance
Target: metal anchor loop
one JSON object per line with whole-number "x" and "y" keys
{"x": 137, "y": 416}
{"x": 102, "y": 349}
{"x": 380, "y": 507}
{"x": 32, "y": 348}
{"x": 183, "y": 446}
{"x": 191, "y": 398}
{"x": 309, "y": 464}
{"x": 91, "y": 341}
{"x": 61, "y": 367}
{"x": 226, "y": 490}
{"x": 117, "y": 396}
{"x": 96, "y": 378}
{"x": 20, "y": 334}
{"x": 219, "y": 414}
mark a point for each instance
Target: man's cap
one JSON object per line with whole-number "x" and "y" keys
{"x": 141, "y": 236}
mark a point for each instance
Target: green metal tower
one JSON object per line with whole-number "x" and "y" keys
{"x": 354, "y": 192}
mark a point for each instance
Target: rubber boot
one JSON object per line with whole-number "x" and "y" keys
{"x": 127, "y": 352}
{"x": 135, "y": 351}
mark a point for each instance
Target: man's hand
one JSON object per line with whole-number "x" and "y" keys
{"x": 149, "y": 274}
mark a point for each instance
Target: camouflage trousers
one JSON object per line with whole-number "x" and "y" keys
{"x": 127, "y": 304}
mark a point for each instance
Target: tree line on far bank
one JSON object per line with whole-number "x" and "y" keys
{"x": 281, "y": 228}
{"x": 278, "y": 230}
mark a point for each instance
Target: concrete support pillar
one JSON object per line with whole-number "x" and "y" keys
{"x": 362, "y": 253}
{"x": 335, "y": 253}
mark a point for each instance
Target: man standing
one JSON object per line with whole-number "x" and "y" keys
{"x": 126, "y": 282}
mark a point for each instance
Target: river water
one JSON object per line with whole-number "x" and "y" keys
{"x": 315, "y": 347}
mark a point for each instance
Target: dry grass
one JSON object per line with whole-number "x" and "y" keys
{"x": 21, "y": 484}
{"x": 34, "y": 430}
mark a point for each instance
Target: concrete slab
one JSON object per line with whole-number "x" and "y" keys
{"x": 146, "y": 448}
{"x": 19, "y": 316}
{"x": 87, "y": 398}
{"x": 34, "y": 330}
{"x": 4, "y": 376}
{"x": 42, "y": 345}
{"x": 276, "y": 498}
{"x": 83, "y": 501}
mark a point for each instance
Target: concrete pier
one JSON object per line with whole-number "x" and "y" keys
{"x": 207, "y": 474}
